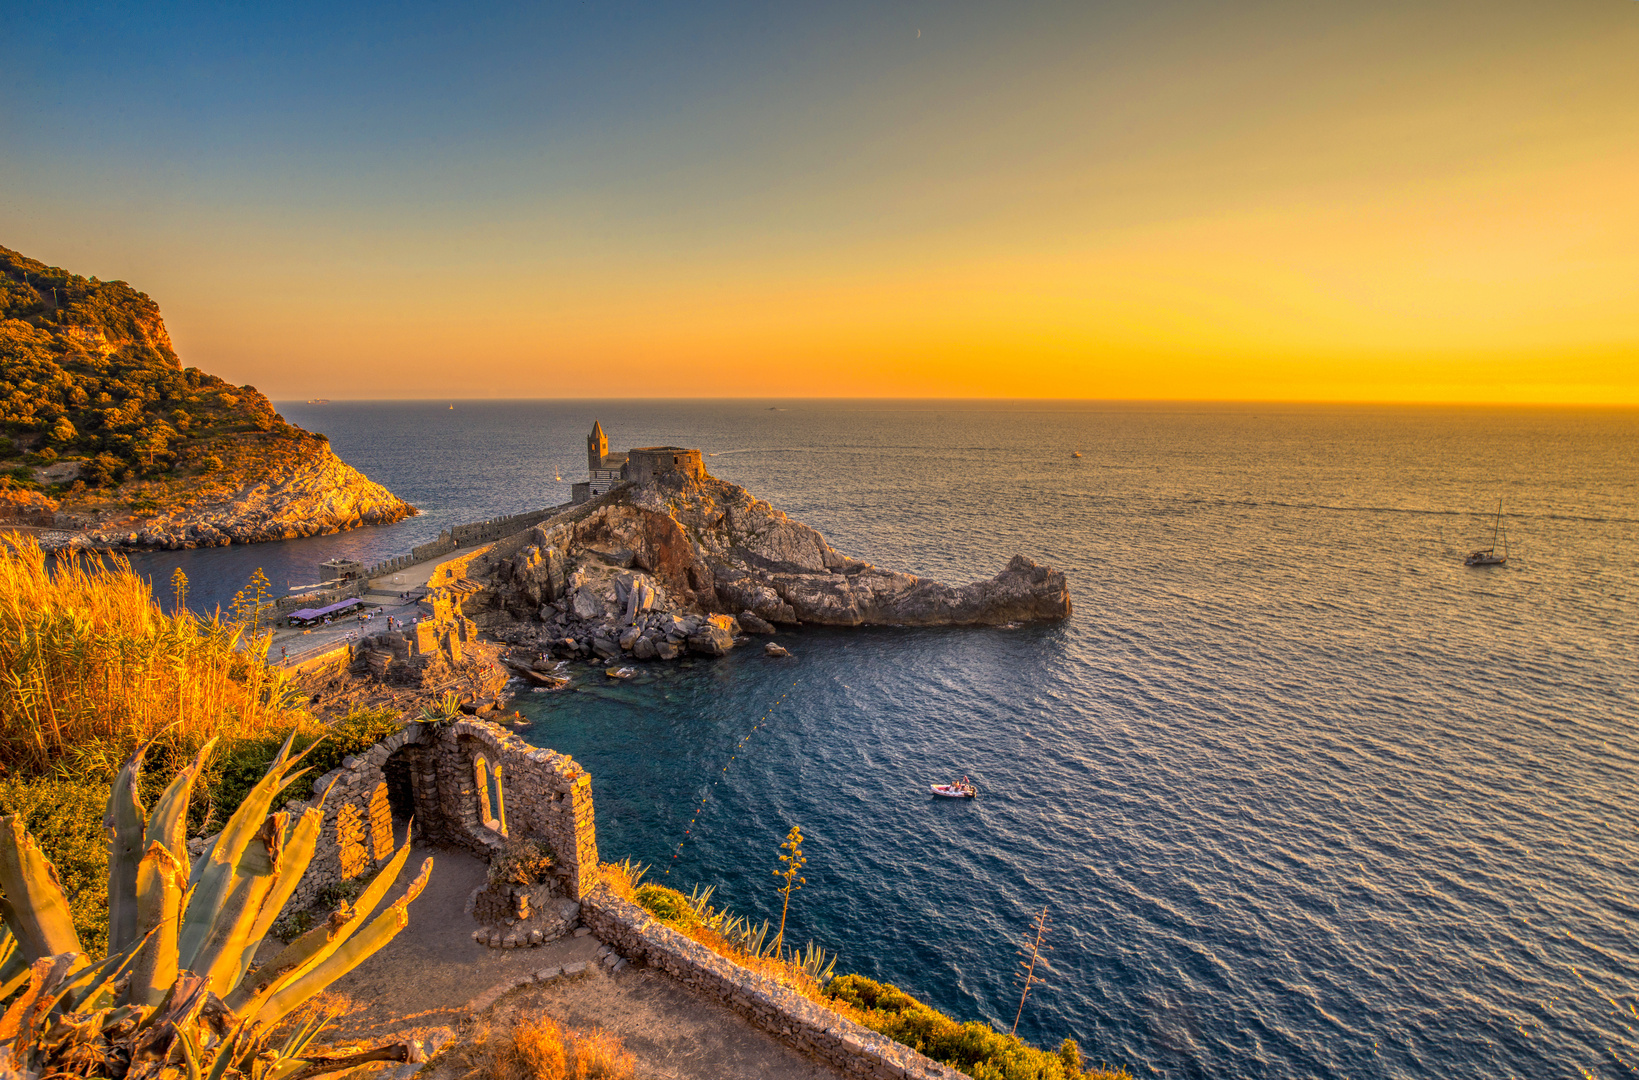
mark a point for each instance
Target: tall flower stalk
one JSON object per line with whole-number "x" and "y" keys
{"x": 791, "y": 874}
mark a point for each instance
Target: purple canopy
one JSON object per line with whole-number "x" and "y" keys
{"x": 308, "y": 614}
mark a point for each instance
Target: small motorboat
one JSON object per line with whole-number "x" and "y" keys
{"x": 962, "y": 789}
{"x": 1075, "y": 453}
{"x": 621, "y": 672}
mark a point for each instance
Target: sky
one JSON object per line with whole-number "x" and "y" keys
{"x": 1261, "y": 200}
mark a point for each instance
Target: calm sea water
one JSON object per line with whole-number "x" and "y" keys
{"x": 1304, "y": 796}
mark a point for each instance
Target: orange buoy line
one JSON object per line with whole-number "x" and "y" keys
{"x": 739, "y": 746}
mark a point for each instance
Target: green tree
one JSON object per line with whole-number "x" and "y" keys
{"x": 63, "y": 431}
{"x": 179, "y": 586}
{"x": 790, "y": 873}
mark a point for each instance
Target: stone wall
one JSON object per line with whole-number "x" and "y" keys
{"x": 469, "y": 785}
{"x": 790, "y": 1017}
{"x": 646, "y": 464}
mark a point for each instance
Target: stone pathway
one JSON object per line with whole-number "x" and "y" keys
{"x": 433, "y": 972}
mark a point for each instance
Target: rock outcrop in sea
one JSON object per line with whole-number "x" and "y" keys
{"x": 686, "y": 564}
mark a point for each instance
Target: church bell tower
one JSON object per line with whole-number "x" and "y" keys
{"x": 597, "y": 447}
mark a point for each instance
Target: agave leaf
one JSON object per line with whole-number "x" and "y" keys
{"x": 11, "y": 956}
{"x": 100, "y": 994}
{"x": 299, "y": 844}
{"x": 168, "y": 824}
{"x": 124, "y": 821}
{"x": 314, "y": 947}
{"x": 218, "y": 877}
{"x": 288, "y": 959}
{"x": 159, "y": 902}
{"x": 45, "y": 975}
{"x": 225, "y": 1052}
{"x": 177, "y": 1010}
{"x": 285, "y": 1067}
{"x": 304, "y": 1035}
{"x": 221, "y": 956}
{"x": 86, "y": 978}
{"x": 31, "y": 898}
{"x": 231, "y": 841}
{"x": 382, "y": 929}
{"x": 190, "y": 1050}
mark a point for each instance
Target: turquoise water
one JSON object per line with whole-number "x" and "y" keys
{"x": 1304, "y": 795}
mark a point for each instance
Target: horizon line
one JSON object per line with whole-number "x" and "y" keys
{"x": 1418, "y": 403}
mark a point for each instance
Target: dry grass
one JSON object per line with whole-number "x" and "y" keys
{"x": 90, "y": 666}
{"x": 539, "y": 1048}
{"x": 619, "y": 877}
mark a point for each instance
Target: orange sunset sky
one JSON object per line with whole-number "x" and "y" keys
{"x": 1386, "y": 201}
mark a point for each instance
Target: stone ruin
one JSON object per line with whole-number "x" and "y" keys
{"x": 468, "y": 785}
{"x": 426, "y": 652}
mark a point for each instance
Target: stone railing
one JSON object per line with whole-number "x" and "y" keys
{"x": 782, "y": 1012}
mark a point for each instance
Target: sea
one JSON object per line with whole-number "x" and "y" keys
{"x": 1300, "y": 794}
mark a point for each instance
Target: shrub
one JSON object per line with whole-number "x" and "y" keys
{"x": 65, "y": 816}
{"x": 974, "y": 1048}
{"x": 668, "y": 905}
{"x": 527, "y": 861}
{"x": 601, "y": 1056}
{"x": 534, "y": 1050}
{"x": 538, "y": 1048}
{"x": 240, "y": 763}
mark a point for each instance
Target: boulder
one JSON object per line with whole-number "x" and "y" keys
{"x": 752, "y": 623}
{"x": 643, "y": 649}
{"x": 668, "y": 649}
{"x": 605, "y": 648}
{"x": 776, "y": 651}
{"x": 587, "y": 604}
{"x": 711, "y": 640}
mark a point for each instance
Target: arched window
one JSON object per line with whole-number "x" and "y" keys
{"x": 491, "y": 798}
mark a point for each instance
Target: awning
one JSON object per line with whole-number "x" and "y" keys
{"x": 307, "y": 614}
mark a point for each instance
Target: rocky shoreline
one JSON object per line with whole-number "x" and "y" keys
{"x": 317, "y": 497}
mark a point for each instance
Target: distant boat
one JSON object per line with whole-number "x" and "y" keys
{"x": 1075, "y": 453}
{"x": 962, "y": 789}
{"x": 318, "y": 401}
{"x": 1488, "y": 556}
{"x": 452, "y": 408}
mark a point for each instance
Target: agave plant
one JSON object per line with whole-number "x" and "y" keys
{"x": 446, "y": 710}
{"x": 177, "y": 996}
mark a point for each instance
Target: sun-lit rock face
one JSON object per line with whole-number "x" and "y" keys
{"x": 318, "y": 495}
{"x": 711, "y": 546}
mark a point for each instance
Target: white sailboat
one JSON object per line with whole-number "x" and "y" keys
{"x": 1488, "y": 556}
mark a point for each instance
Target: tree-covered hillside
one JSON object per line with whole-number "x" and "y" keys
{"x": 92, "y": 396}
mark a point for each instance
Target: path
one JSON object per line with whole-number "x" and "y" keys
{"x": 428, "y": 974}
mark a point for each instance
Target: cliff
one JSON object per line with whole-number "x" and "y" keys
{"x": 657, "y": 561}
{"x": 106, "y": 435}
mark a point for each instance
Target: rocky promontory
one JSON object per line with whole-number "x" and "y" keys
{"x": 689, "y": 564}
{"x": 320, "y": 495}
{"x": 107, "y": 440}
